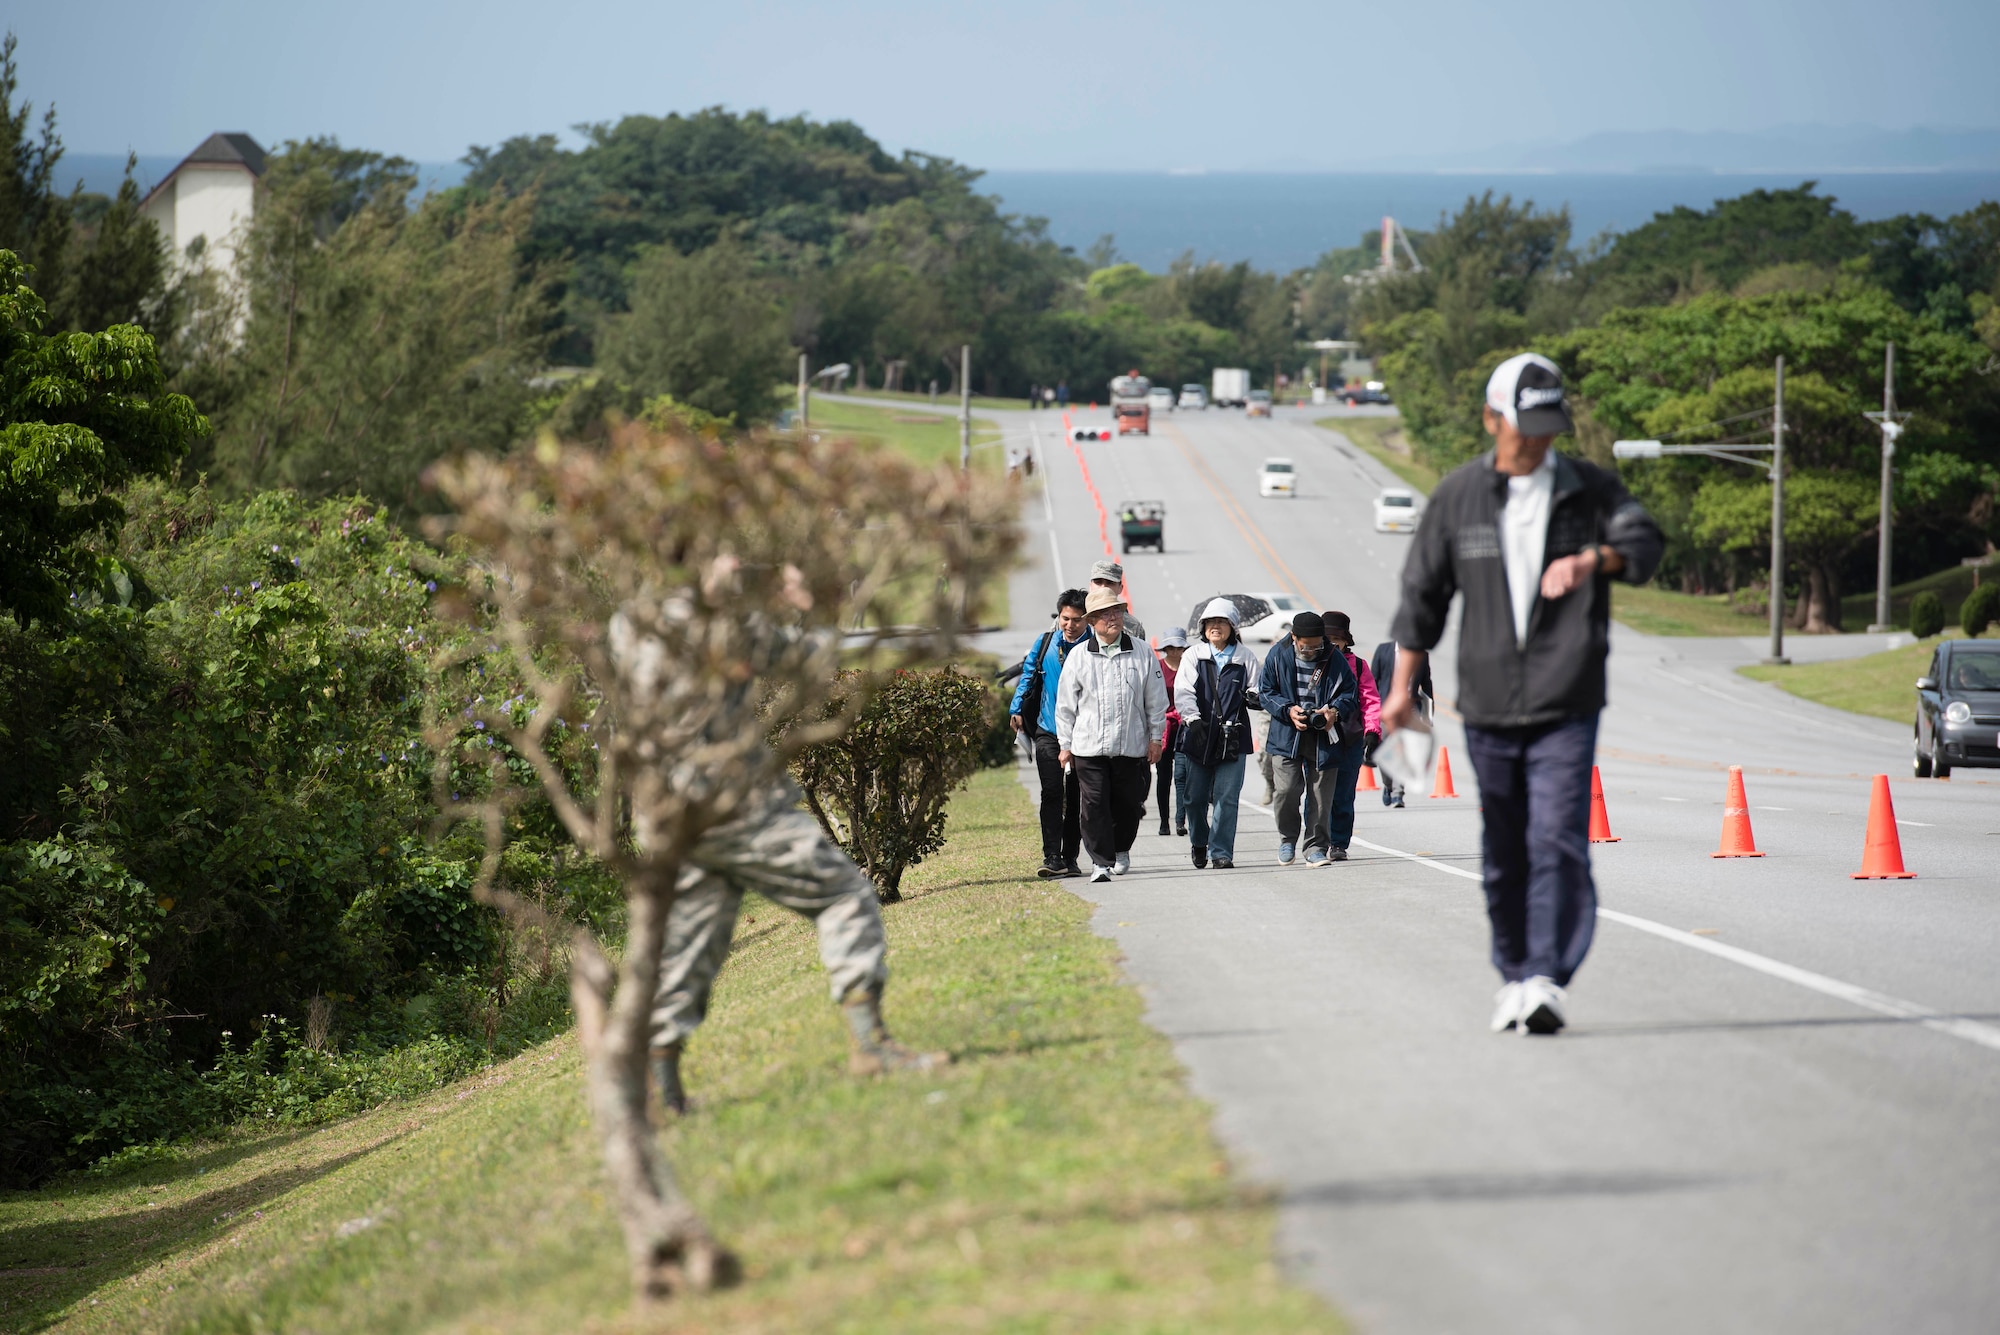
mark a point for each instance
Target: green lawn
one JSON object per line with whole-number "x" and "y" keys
{"x": 1057, "y": 1178}
{"x": 1373, "y": 434}
{"x": 925, "y": 437}
{"x": 980, "y": 402}
{"x": 1882, "y": 685}
{"x": 1658, "y": 611}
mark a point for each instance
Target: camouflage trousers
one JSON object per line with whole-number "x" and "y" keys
{"x": 780, "y": 852}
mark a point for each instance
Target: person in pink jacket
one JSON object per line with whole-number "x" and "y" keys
{"x": 1358, "y": 736}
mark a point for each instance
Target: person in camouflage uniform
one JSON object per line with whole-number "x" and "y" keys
{"x": 779, "y": 850}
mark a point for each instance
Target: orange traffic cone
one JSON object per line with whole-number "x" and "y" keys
{"x": 1367, "y": 784}
{"x": 1737, "y": 840}
{"x": 1600, "y": 819}
{"x": 1441, "y": 786}
{"x": 1882, "y": 856}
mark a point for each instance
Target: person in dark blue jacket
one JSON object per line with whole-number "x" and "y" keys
{"x": 1306, "y": 688}
{"x": 1033, "y": 715}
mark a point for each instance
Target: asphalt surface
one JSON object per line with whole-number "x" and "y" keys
{"x": 1777, "y": 1107}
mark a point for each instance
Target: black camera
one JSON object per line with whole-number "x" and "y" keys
{"x": 1317, "y": 721}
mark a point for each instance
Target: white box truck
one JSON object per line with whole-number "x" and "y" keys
{"x": 1232, "y": 387}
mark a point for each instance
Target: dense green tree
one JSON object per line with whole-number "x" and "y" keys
{"x": 702, "y": 328}
{"x": 1494, "y": 275}
{"x": 1702, "y": 370}
{"x": 80, "y": 415}
{"x": 34, "y": 219}
{"x": 376, "y": 337}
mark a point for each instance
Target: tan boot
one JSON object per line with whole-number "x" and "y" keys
{"x": 872, "y": 1051}
{"x": 666, "y": 1064}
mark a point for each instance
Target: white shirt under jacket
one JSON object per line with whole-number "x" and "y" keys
{"x": 1111, "y": 700}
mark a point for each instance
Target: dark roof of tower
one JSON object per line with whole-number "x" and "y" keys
{"x": 222, "y": 148}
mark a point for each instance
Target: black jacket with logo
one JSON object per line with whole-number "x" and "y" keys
{"x": 1559, "y": 672}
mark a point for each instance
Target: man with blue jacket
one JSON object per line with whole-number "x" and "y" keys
{"x": 1033, "y": 715}
{"x": 1305, "y": 688}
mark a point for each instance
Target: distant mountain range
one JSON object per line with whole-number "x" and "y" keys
{"x": 1801, "y": 150}
{"x": 1785, "y": 148}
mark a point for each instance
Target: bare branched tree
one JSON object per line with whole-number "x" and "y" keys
{"x": 690, "y": 600}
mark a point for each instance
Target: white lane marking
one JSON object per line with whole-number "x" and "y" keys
{"x": 1048, "y": 506}
{"x": 1920, "y": 824}
{"x": 1972, "y": 1031}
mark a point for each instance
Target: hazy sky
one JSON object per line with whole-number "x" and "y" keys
{"x": 1172, "y": 83}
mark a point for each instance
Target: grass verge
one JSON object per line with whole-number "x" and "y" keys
{"x": 1058, "y": 1178}
{"x": 1657, "y": 611}
{"x": 1881, "y": 685}
{"x": 1382, "y": 437}
{"x": 924, "y": 437}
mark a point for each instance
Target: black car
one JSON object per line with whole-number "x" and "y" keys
{"x": 1361, "y": 394}
{"x": 1958, "y": 709}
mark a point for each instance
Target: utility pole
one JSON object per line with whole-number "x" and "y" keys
{"x": 1777, "y": 656}
{"x": 805, "y": 391}
{"x": 965, "y": 407}
{"x": 1892, "y": 427}
{"x": 1744, "y": 452}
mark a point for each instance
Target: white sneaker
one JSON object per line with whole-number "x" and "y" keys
{"x": 1506, "y": 1008}
{"x": 1541, "y": 1006}
{"x": 1099, "y": 873}
{"x": 1122, "y": 864}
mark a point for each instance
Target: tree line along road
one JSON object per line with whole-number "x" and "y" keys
{"x": 1776, "y": 1107}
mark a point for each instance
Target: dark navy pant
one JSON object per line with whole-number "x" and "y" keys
{"x": 1345, "y": 772}
{"x": 1534, "y": 787}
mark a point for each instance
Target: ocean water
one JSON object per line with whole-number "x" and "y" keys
{"x": 1286, "y": 221}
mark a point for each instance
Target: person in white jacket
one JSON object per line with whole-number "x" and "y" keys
{"x": 1111, "y": 714}
{"x": 1214, "y": 692}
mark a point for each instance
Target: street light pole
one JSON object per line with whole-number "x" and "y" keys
{"x": 1777, "y": 598}
{"x": 805, "y": 390}
{"x": 1892, "y": 427}
{"x": 1744, "y": 453}
{"x": 965, "y": 407}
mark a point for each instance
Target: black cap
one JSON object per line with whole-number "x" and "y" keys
{"x": 1527, "y": 390}
{"x": 1337, "y": 626}
{"x": 1308, "y": 626}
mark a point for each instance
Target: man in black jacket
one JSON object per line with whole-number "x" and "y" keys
{"x": 1383, "y": 666}
{"x": 1533, "y": 539}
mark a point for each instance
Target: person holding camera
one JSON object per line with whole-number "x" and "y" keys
{"x": 1213, "y": 691}
{"x": 1305, "y": 687}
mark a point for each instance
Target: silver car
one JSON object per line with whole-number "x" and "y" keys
{"x": 1958, "y": 709}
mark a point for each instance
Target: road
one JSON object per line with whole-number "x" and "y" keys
{"x": 1776, "y": 1108}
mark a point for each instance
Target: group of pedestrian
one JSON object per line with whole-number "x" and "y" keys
{"x": 1176, "y": 719}
{"x": 1531, "y": 539}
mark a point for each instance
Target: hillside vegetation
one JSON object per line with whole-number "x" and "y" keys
{"x": 1058, "y": 1177}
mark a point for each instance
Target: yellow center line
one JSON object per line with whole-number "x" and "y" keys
{"x": 1260, "y": 546}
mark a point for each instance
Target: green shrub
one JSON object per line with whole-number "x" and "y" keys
{"x": 880, "y": 789}
{"x": 1980, "y": 609}
{"x": 1926, "y": 615}
{"x": 218, "y": 790}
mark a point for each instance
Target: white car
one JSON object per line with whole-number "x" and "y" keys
{"x": 1160, "y": 399}
{"x": 1277, "y": 478}
{"x": 1397, "y": 510}
{"x": 1193, "y": 396}
{"x": 1284, "y": 606}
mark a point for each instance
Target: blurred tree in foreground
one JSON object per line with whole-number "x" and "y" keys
{"x": 692, "y": 600}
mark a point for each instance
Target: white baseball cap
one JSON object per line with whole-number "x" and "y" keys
{"x": 1222, "y": 607}
{"x": 1527, "y": 390}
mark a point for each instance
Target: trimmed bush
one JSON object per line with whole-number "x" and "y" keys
{"x": 1926, "y": 615}
{"x": 880, "y": 789}
{"x": 1979, "y": 610}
